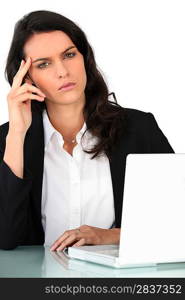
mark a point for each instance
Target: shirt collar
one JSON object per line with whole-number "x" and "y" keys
{"x": 80, "y": 133}
{"x": 49, "y": 130}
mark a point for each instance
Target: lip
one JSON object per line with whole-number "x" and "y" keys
{"x": 67, "y": 86}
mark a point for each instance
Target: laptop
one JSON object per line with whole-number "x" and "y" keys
{"x": 153, "y": 215}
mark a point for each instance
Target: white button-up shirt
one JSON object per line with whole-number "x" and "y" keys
{"x": 76, "y": 190}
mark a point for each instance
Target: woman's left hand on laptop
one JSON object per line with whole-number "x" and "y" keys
{"x": 86, "y": 235}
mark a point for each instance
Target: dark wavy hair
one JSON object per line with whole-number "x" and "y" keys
{"x": 104, "y": 118}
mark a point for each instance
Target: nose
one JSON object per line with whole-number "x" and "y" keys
{"x": 60, "y": 69}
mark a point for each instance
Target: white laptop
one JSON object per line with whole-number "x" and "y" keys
{"x": 153, "y": 215}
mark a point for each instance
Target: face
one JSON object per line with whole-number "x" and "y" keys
{"x": 55, "y": 62}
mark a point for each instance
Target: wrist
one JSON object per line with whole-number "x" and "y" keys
{"x": 115, "y": 233}
{"x": 15, "y": 135}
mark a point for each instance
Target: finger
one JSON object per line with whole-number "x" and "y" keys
{"x": 29, "y": 88}
{"x": 23, "y": 69}
{"x": 58, "y": 242}
{"x": 63, "y": 237}
{"x": 26, "y": 96}
{"x": 71, "y": 239}
{"x": 81, "y": 242}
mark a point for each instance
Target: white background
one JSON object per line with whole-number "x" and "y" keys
{"x": 139, "y": 46}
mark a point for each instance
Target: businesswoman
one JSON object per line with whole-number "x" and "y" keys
{"x": 63, "y": 151}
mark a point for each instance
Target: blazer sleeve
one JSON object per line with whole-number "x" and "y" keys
{"x": 14, "y": 199}
{"x": 157, "y": 140}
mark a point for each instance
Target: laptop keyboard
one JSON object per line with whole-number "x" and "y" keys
{"x": 112, "y": 252}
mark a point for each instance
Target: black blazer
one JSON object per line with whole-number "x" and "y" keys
{"x": 20, "y": 199}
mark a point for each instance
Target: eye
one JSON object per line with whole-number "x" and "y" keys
{"x": 70, "y": 54}
{"x": 43, "y": 65}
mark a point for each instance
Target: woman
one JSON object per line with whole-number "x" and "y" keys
{"x": 64, "y": 149}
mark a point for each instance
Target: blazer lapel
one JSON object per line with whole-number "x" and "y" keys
{"x": 117, "y": 168}
{"x": 34, "y": 160}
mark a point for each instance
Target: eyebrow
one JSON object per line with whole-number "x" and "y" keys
{"x": 45, "y": 58}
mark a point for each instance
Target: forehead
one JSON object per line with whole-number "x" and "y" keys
{"x": 46, "y": 44}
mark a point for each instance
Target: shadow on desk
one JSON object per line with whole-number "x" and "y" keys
{"x": 24, "y": 261}
{"x": 39, "y": 261}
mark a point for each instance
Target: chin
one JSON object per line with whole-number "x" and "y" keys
{"x": 67, "y": 98}
{"x": 70, "y": 98}
{"x": 65, "y": 101}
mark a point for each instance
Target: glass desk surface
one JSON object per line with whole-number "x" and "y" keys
{"x": 39, "y": 261}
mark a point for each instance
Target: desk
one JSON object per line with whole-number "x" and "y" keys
{"x": 37, "y": 261}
